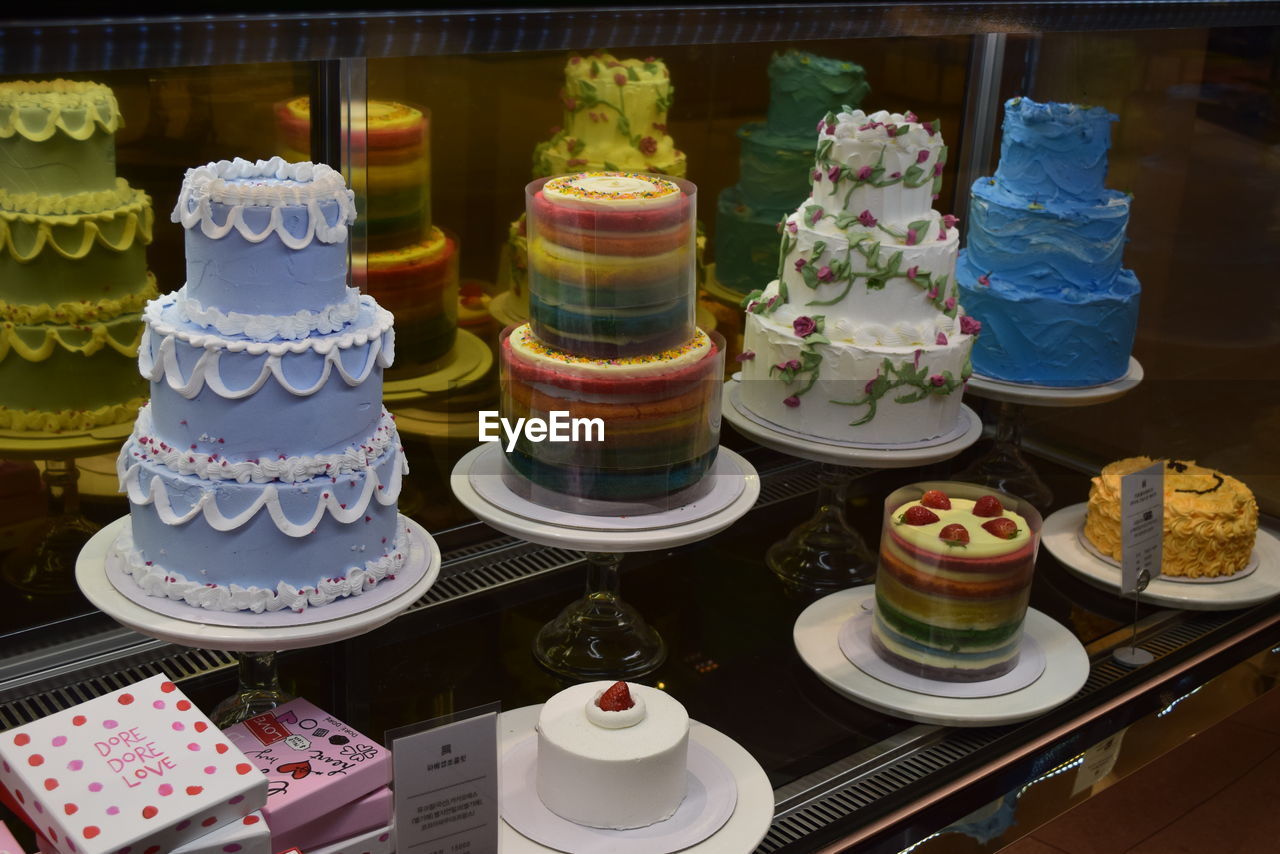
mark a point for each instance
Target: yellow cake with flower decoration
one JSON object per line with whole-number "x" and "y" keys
{"x": 1210, "y": 519}
{"x": 73, "y": 268}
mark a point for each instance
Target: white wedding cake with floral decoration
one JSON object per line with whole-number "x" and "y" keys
{"x": 861, "y": 337}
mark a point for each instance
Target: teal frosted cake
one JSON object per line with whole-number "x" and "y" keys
{"x": 776, "y": 159}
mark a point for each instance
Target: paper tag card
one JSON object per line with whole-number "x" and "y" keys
{"x": 446, "y": 784}
{"x": 1141, "y": 526}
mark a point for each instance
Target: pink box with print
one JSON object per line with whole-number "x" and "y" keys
{"x": 374, "y": 842}
{"x": 313, "y": 762}
{"x": 8, "y": 845}
{"x": 360, "y": 816}
{"x": 140, "y": 767}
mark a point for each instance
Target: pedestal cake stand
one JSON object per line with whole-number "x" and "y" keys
{"x": 45, "y": 566}
{"x": 1004, "y": 467}
{"x": 600, "y": 636}
{"x": 826, "y": 553}
{"x": 255, "y": 637}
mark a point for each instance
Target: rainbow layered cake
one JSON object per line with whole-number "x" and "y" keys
{"x": 73, "y": 265}
{"x": 659, "y": 415}
{"x": 952, "y": 588}
{"x": 611, "y": 262}
{"x": 418, "y": 283}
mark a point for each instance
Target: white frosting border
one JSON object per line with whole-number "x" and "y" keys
{"x": 286, "y": 470}
{"x": 379, "y": 335}
{"x": 157, "y": 581}
{"x": 269, "y": 327}
{"x": 307, "y": 185}
{"x": 344, "y": 512}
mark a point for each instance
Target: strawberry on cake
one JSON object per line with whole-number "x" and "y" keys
{"x": 953, "y": 584}
{"x": 612, "y": 755}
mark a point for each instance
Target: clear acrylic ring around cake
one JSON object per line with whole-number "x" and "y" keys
{"x": 728, "y": 810}
{"x": 1061, "y": 536}
{"x": 816, "y": 637}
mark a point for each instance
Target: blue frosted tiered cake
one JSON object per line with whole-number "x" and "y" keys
{"x": 777, "y": 162}
{"x": 264, "y": 473}
{"x": 1042, "y": 267}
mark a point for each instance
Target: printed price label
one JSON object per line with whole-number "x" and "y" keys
{"x": 446, "y": 784}
{"x": 1141, "y": 527}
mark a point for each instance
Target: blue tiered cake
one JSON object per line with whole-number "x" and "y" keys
{"x": 777, "y": 163}
{"x": 264, "y": 473}
{"x": 1042, "y": 268}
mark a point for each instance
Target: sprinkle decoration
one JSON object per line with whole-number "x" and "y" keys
{"x": 570, "y": 186}
{"x": 528, "y": 341}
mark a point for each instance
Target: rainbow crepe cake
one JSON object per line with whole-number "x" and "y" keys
{"x": 411, "y": 266}
{"x": 953, "y": 584}
{"x": 612, "y": 337}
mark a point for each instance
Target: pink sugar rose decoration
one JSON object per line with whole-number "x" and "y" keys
{"x": 745, "y": 356}
{"x": 833, "y": 174}
{"x": 912, "y": 272}
{"x": 864, "y": 173}
{"x": 922, "y": 155}
{"x": 866, "y": 389}
{"x": 825, "y": 274}
{"x": 866, "y": 219}
{"x": 831, "y": 127}
{"x": 792, "y": 401}
{"x": 649, "y": 145}
{"x": 950, "y": 303}
{"x": 800, "y": 262}
{"x": 804, "y": 326}
{"x": 970, "y": 325}
{"x": 792, "y": 227}
{"x": 912, "y": 238}
{"x": 620, "y": 79}
{"x": 571, "y": 104}
{"x": 941, "y": 340}
{"x": 911, "y": 117}
{"x": 938, "y": 380}
{"x": 822, "y": 125}
{"x": 937, "y": 169}
{"x": 816, "y": 215}
{"x": 933, "y": 293}
{"x": 949, "y": 220}
{"x": 985, "y": 280}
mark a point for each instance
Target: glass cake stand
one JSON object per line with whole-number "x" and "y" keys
{"x": 1004, "y": 466}
{"x": 600, "y": 636}
{"x": 44, "y": 566}
{"x": 257, "y": 639}
{"x": 825, "y": 553}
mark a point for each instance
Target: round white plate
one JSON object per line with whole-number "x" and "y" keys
{"x": 580, "y": 534}
{"x": 259, "y": 633}
{"x": 875, "y": 456}
{"x": 707, "y": 805}
{"x": 816, "y": 637}
{"x": 1042, "y": 395}
{"x": 743, "y": 831}
{"x": 855, "y": 643}
{"x": 489, "y": 479}
{"x": 1060, "y": 536}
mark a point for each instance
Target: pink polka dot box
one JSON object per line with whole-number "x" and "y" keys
{"x": 137, "y": 771}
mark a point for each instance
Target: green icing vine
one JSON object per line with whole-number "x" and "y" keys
{"x": 907, "y": 375}
{"x": 914, "y": 177}
{"x": 589, "y": 99}
{"x": 804, "y": 370}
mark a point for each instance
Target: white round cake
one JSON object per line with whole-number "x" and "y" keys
{"x": 612, "y": 769}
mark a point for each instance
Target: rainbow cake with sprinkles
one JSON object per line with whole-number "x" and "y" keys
{"x": 954, "y": 581}
{"x": 611, "y": 336}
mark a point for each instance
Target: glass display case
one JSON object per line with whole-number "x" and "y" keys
{"x": 438, "y": 120}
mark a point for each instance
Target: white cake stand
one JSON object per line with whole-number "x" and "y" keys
{"x": 826, "y": 553}
{"x": 743, "y": 831}
{"x": 1004, "y": 467}
{"x": 259, "y": 687}
{"x": 1061, "y": 535}
{"x": 600, "y": 636}
{"x": 816, "y": 637}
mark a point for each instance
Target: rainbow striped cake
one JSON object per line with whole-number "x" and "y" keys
{"x": 952, "y": 587}
{"x": 660, "y": 413}
{"x": 611, "y": 261}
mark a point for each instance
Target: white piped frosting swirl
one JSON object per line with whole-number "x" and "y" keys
{"x": 619, "y": 719}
